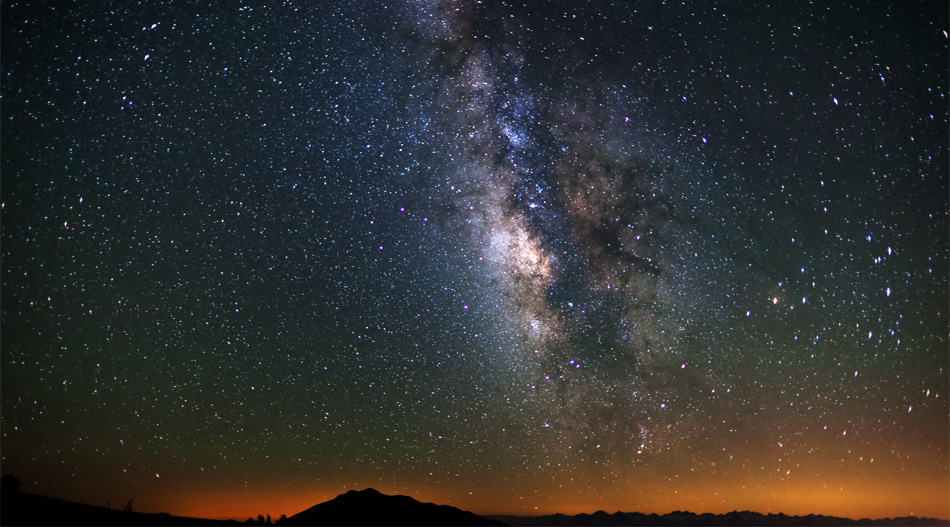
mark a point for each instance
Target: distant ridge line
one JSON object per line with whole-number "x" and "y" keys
{"x": 681, "y": 518}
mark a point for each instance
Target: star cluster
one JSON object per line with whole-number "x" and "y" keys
{"x": 511, "y": 257}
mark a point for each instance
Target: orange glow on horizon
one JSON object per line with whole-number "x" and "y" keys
{"x": 856, "y": 500}
{"x": 223, "y": 505}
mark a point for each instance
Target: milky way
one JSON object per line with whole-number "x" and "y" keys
{"x": 515, "y": 258}
{"x": 572, "y": 230}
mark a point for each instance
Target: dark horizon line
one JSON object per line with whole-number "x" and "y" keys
{"x": 599, "y": 512}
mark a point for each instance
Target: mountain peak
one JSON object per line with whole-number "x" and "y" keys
{"x": 371, "y": 507}
{"x": 368, "y": 491}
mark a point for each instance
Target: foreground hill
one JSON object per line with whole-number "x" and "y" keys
{"x": 371, "y": 507}
{"x": 678, "y": 518}
{"x": 23, "y": 508}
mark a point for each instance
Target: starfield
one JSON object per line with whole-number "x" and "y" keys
{"x": 520, "y": 258}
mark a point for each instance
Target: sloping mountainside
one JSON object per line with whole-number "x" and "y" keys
{"x": 735, "y": 518}
{"x": 23, "y": 508}
{"x": 370, "y": 507}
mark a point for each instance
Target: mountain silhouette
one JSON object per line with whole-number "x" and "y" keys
{"x": 371, "y": 507}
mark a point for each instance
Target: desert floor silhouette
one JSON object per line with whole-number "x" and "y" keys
{"x": 371, "y": 507}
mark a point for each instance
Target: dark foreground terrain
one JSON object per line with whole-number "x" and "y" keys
{"x": 22, "y": 508}
{"x": 678, "y": 518}
{"x": 366, "y": 507}
{"x": 370, "y": 507}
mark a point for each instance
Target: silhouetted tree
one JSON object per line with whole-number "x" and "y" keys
{"x": 268, "y": 520}
{"x": 9, "y": 484}
{"x": 281, "y": 520}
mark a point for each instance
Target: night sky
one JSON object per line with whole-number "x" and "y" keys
{"x": 516, "y": 257}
